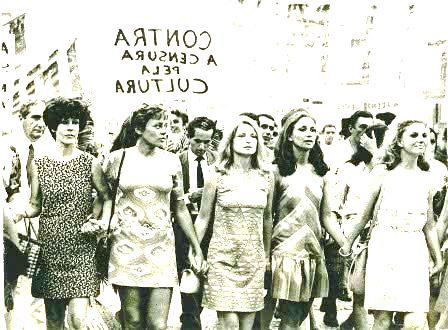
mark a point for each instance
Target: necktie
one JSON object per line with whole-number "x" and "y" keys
{"x": 28, "y": 163}
{"x": 199, "y": 173}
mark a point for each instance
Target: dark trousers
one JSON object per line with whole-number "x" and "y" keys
{"x": 191, "y": 303}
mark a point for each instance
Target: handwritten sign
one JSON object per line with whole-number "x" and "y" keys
{"x": 6, "y": 69}
{"x": 163, "y": 57}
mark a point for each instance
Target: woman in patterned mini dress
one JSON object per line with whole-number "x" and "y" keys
{"x": 239, "y": 197}
{"x": 142, "y": 264}
{"x": 61, "y": 193}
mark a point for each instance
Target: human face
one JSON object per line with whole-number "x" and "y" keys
{"x": 415, "y": 139}
{"x": 267, "y": 127}
{"x": 155, "y": 132}
{"x": 67, "y": 131}
{"x": 200, "y": 142}
{"x": 176, "y": 124}
{"x": 245, "y": 140}
{"x": 329, "y": 134}
{"x": 304, "y": 133}
{"x": 33, "y": 124}
{"x": 358, "y": 129}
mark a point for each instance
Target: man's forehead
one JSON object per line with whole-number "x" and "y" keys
{"x": 36, "y": 110}
{"x": 202, "y": 134}
{"x": 265, "y": 120}
{"x": 364, "y": 121}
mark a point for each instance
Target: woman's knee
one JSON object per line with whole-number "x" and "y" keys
{"x": 415, "y": 321}
{"x": 382, "y": 320}
{"x": 76, "y": 321}
{"x": 157, "y": 324}
{"x": 132, "y": 316}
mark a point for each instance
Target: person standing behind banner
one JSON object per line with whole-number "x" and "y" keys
{"x": 404, "y": 235}
{"x": 142, "y": 264}
{"x": 238, "y": 196}
{"x": 196, "y": 163}
{"x": 62, "y": 182}
{"x": 300, "y": 209}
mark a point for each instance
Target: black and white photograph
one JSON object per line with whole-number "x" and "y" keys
{"x": 232, "y": 164}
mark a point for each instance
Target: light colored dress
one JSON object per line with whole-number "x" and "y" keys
{"x": 397, "y": 273}
{"x": 143, "y": 253}
{"x": 298, "y": 262}
{"x": 236, "y": 258}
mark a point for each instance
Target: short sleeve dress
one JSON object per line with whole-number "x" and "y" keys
{"x": 67, "y": 255}
{"x": 236, "y": 258}
{"x": 397, "y": 270}
{"x": 143, "y": 252}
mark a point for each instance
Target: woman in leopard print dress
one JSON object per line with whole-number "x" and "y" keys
{"x": 61, "y": 193}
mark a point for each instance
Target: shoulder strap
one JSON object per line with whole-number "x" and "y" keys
{"x": 114, "y": 190}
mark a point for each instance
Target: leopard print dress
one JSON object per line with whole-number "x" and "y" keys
{"x": 67, "y": 255}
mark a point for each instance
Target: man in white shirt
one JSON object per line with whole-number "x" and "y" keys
{"x": 28, "y": 147}
{"x": 351, "y": 177}
{"x": 196, "y": 165}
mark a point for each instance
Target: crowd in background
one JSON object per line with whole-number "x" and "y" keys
{"x": 268, "y": 212}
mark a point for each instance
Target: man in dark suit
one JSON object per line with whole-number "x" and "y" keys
{"x": 196, "y": 164}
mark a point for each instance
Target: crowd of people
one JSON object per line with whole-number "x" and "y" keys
{"x": 269, "y": 213}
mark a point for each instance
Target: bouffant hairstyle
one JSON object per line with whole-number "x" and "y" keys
{"x": 60, "y": 108}
{"x": 393, "y": 152}
{"x": 128, "y": 135}
{"x": 284, "y": 150}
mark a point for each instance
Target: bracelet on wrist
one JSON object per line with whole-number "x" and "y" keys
{"x": 344, "y": 255}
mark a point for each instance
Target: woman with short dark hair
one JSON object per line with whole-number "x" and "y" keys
{"x": 61, "y": 193}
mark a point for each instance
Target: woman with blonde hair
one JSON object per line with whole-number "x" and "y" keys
{"x": 237, "y": 199}
{"x": 399, "y": 199}
{"x": 142, "y": 264}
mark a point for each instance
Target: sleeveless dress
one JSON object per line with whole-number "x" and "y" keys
{"x": 143, "y": 252}
{"x": 236, "y": 258}
{"x": 67, "y": 255}
{"x": 397, "y": 271}
{"x": 298, "y": 262}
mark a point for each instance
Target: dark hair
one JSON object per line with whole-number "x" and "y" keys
{"x": 128, "y": 135}
{"x": 202, "y": 123}
{"x": 387, "y": 117}
{"x": 61, "y": 108}
{"x": 183, "y": 116}
{"x": 284, "y": 150}
{"x": 264, "y": 115}
{"x": 251, "y": 115}
{"x": 431, "y": 130}
{"x": 25, "y": 108}
{"x": 356, "y": 115}
{"x": 326, "y": 126}
{"x": 393, "y": 156}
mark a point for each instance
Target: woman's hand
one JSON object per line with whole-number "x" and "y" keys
{"x": 198, "y": 263}
{"x": 268, "y": 264}
{"x": 435, "y": 268}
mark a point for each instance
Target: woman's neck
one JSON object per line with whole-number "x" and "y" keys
{"x": 65, "y": 150}
{"x": 301, "y": 156}
{"x": 242, "y": 162}
{"x": 144, "y": 148}
{"x": 408, "y": 162}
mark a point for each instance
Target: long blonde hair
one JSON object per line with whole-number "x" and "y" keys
{"x": 226, "y": 154}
